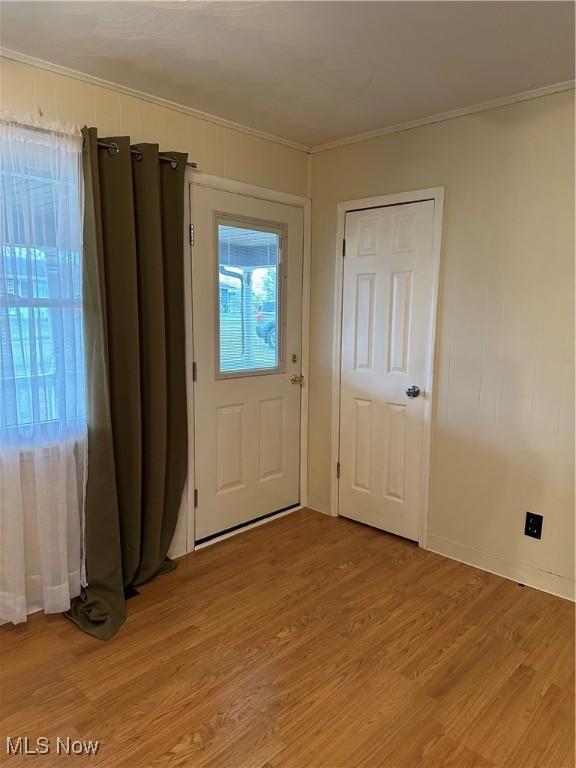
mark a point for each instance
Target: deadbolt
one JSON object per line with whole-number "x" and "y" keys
{"x": 413, "y": 391}
{"x": 297, "y": 379}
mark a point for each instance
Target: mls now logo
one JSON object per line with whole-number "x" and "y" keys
{"x": 23, "y": 745}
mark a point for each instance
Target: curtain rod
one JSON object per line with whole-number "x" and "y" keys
{"x": 6, "y": 120}
{"x": 114, "y": 149}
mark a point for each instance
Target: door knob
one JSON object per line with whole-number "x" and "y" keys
{"x": 297, "y": 379}
{"x": 413, "y": 391}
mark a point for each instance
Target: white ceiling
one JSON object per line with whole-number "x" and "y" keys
{"x": 311, "y": 72}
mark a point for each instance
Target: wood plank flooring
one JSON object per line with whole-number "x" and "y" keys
{"x": 309, "y": 642}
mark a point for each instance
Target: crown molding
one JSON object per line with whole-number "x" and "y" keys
{"x": 441, "y": 117}
{"x": 32, "y": 61}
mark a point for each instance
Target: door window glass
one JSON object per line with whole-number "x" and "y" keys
{"x": 249, "y": 319}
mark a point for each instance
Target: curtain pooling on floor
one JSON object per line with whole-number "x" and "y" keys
{"x": 135, "y": 369}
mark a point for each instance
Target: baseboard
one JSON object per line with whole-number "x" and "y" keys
{"x": 318, "y": 509}
{"x": 509, "y": 569}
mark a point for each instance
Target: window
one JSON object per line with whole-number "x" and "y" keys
{"x": 249, "y": 298}
{"x": 41, "y": 349}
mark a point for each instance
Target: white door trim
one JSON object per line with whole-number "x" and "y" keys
{"x": 437, "y": 195}
{"x": 185, "y": 526}
{"x": 198, "y": 178}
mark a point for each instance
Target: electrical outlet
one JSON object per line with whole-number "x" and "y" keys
{"x": 533, "y": 526}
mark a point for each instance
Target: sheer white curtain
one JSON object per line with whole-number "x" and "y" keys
{"x": 42, "y": 414}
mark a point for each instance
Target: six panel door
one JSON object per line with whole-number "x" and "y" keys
{"x": 386, "y": 323}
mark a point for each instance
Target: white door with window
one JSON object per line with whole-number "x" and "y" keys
{"x": 247, "y": 321}
{"x": 387, "y": 311}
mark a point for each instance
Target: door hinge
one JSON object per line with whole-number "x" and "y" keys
{"x": 191, "y": 234}
{"x": 338, "y": 470}
{"x": 195, "y": 497}
{"x": 194, "y": 371}
{"x": 343, "y": 247}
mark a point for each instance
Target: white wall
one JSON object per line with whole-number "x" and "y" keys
{"x": 502, "y": 440}
{"x": 27, "y": 91}
{"x": 39, "y": 95}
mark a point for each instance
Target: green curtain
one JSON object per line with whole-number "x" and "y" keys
{"x": 135, "y": 371}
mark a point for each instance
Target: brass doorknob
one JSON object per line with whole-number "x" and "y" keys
{"x": 297, "y": 379}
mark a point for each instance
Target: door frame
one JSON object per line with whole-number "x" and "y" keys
{"x": 419, "y": 195}
{"x": 196, "y": 178}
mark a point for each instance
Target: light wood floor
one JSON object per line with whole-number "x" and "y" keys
{"x": 309, "y": 642}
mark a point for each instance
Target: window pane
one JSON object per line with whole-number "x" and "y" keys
{"x": 248, "y": 306}
{"x": 41, "y": 348}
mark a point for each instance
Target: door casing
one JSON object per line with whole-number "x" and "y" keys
{"x": 437, "y": 195}
{"x": 198, "y": 179}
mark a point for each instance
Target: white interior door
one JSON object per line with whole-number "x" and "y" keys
{"x": 388, "y": 296}
{"x": 247, "y": 317}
